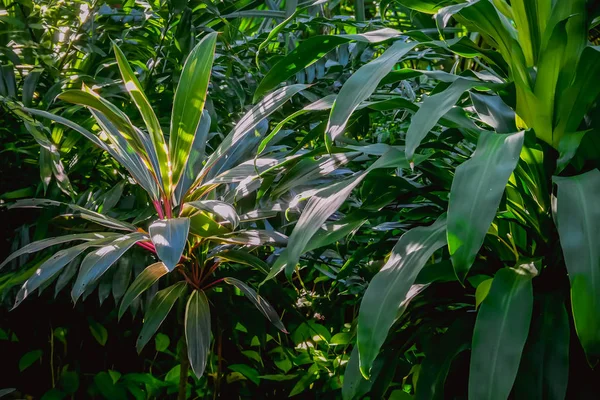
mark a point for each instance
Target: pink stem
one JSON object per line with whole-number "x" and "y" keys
{"x": 147, "y": 246}
{"x": 158, "y": 208}
{"x": 168, "y": 209}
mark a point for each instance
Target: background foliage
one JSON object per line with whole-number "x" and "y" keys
{"x": 436, "y": 180}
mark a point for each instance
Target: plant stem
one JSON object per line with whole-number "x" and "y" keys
{"x": 183, "y": 372}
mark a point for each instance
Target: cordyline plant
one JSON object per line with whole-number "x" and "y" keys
{"x": 194, "y": 232}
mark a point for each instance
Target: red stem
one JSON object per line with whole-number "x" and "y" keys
{"x": 147, "y": 245}
{"x": 158, "y": 208}
{"x": 213, "y": 283}
{"x": 210, "y": 271}
{"x": 168, "y": 209}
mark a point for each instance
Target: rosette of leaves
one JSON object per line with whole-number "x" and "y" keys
{"x": 195, "y": 226}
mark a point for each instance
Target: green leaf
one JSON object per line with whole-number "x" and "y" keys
{"x": 361, "y": 85}
{"x": 170, "y": 237}
{"x": 500, "y": 332}
{"x": 28, "y": 359}
{"x": 195, "y": 158}
{"x": 476, "y": 192}
{"x": 390, "y": 287}
{"x": 96, "y": 263}
{"x": 544, "y": 369}
{"x": 52, "y": 266}
{"x": 197, "y": 331}
{"x": 45, "y": 243}
{"x": 433, "y": 108}
{"x": 310, "y": 51}
{"x": 223, "y": 210}
{"x": 578, "y": 222}
{"x": 98, "y": 331}
{"x": 326, "y": 201}
{"x": 483, "y": 289}
{"x": 161, "y": 342}
{"x": 159, "y": 146}
{"x": 157, "y": 312}
{"x": 247, "y": 371}
{"x": 263, "y": 306}
{"x": 188, "y": 103}
{"x": 494, "y": 112}
{"x": 242, "y": 257}
{"x": 567, "y": 148}
{"x": 438, "y": 359}
{"x": 142, "y": 282}
{"x": 247, "y": 123}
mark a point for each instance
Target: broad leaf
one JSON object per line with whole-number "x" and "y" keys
{"x": 170, "y": 237}
{"x": 578, "y": 221}
{"x": 390, "y": 287}
{"x": 476, "y": 193}
{"x": 197, "y": 331}
{"x": 263, "y": 306}
{"x": 189, "y": 102}
{"x": 54, "y": 265}
{"x": 158, "y": 310}
{"x": 433, "y": 108}
{"x": 96, "y": 263}
{"x": 223, "y": 210}
{"x": 148, "y": 277}
{"x": 500, "y": 332}
{"x": 361, "y": 85}
{"x": 310, "y": 51}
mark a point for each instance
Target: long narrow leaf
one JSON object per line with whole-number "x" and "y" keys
{"x": 197, "y": 331}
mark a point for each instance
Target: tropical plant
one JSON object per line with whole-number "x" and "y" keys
{"x": 195, "y": 233}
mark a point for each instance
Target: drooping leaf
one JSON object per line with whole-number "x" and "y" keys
{"x": 500, "y": 333}
{"x": 223, "y": 210}
{"x": 188, "y": 103}
{"x": 310, "y": 51}
{"x": 142, "y": 282}
{"x": 475, "y": 195}
{"x": 96, "y": 263}
{"x": 361, "y": 85}
{"x": 247, "y": 124}
{"x": 54, "y": 265}
{"x": 433, "y": 108}
{"x": 45, "y": 243}
{"x": 325, "y": 202}
{"x": 389, "y": 288}
{"x": 170, "y": 237}
{"x": 263, "y": 306}
{"x": 197, "y": 331}
{"x": 578, "y": 222}
{"x": 242, "y": 257}
{"x": 159, "y": 308}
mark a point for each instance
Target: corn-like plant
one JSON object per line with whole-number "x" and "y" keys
{"x": 193, "y": 192}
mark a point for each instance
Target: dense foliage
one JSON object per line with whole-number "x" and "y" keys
{"x": 321, "y": 199}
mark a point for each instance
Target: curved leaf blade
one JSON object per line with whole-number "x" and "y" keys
{"x": 476, "y": 193}
{"x": 578, "y": 222}
{"x": 223, "y": 210}
{"x": 158, "y": 310}
{"x": 500, "y": 333}
{"x": 96, "y": 263}
{"x": 361, "y": 85}
{"x": 136, "y": 92}
{"x": 170, "y": 237}
{"x": 188, "y": 103}
{"x": 148, "y": 277}
{"x": 197, "y": 331}
{"x": 263, "y": 306}
{"x": 390, "y": 288}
